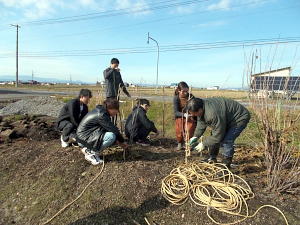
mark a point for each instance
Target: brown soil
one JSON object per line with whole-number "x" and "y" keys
{"x": 39, "y": 177}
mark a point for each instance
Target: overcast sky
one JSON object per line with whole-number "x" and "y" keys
{"x": 202, "y": 42}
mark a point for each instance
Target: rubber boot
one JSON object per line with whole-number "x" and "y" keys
{"x": 213, "y": 154}
{"x": 226, "y": 161}
{"x": 180, "y": 146}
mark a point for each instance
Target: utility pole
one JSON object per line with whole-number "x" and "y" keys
{"x": 157, "y": 61}
{"x": 32, "y": 76}
{"x": 17, "y": 74}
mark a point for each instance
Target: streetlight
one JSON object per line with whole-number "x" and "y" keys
{"x": 157, "y": 61}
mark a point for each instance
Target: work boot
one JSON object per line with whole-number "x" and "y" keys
{"x": 213, "y": 154}
{"x": 226, "y": 161}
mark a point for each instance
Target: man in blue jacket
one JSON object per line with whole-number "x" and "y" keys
{"x": 138, "y": 126}
{"x": 70, "y": 116}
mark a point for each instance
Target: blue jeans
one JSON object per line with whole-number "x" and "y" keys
{"x": 108, "y": 139}
{"x": 229, "y": 138}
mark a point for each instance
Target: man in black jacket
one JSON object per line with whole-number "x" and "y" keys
{"x": 113, "y": 80}
{"x": 138, "y": 126}
{"x": 71, "y": 114}
{"x": 96, "y": 131}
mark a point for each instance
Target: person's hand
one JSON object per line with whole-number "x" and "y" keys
{"x": 193, "y": 142}
{"x": 124, "y": 145}
{"x": 129, "y": 95}
{"x": 117, "y": 69}
{"x": 200, "y": 147}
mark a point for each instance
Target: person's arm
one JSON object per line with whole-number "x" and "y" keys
{"x": 148, "y": 124}
{"x": 84, "y": 112}
{"x": 218, "y": 131}
{"x": 123, "y": 87}
{"x": 74, "y": 111}
{"x": 200, "y": 128}
{"x": 107, "y": 73}
{"x": 176, "y": 103}
{"x": 105, "y": 122}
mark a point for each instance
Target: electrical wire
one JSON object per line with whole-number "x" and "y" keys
{"x": 166, "y": 48}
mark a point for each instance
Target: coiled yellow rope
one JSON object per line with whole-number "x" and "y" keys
{"x": 227, "y": 193}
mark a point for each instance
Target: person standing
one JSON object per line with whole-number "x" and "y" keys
{"x": 226, "y": 117}
{"x": 113, "y": 80}
{"x": 181, "y": 115}
{"x": 138, "y": 126}
{"x": 70, "y": 116}
{"x": 96, "y": 131}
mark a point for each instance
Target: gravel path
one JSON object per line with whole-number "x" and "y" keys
{"x": 44, "y": 105}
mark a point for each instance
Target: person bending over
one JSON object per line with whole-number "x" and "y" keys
{"x": 138, "y": 126}
{"x": 70, "y": 116}
{"x": 226, "y": 117}
{"x": 96, "y": 131}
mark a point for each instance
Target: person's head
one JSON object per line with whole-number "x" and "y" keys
{"x": 84, "y": 96}
{"x": 144, "y": 103}
{"x": 114, "y": 63}
{"x": 112, "y": 106}
{"x": 182, "y": 89}
{"x": 195, "y": 106}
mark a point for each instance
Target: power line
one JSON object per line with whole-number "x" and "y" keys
{"x": 160, "y": 20}
{"x": 112, "y": 13}
{"x": 165, "y": 48}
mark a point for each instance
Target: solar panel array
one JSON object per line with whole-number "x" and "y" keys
{"x": 276, "y": 83}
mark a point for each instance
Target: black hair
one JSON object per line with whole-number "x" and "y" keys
{"x": 194, "y": 104}
{"x": 85, "y": 93}
{"x": 114, "y": 61}
{"x": 143, "y": 101}
{"x": 111, "y": 103}
{"x": 180, "y": 86}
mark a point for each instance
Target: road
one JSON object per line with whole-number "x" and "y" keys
{"x": 10, "y": 94}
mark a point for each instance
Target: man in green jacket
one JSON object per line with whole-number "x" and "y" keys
{"x": 226, "y": 117}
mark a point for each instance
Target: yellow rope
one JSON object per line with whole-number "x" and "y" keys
{"x": 79, "y": 196}
{"x": 227, "y": 193}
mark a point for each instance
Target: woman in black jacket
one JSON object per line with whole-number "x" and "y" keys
{"x": 138, "y": 126}
{"x": 96, "y": 131}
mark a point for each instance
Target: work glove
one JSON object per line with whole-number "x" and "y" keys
{"x": 200, "y": 147}
{"x": 186, "y": 115}
{"x": 193, "y": 142}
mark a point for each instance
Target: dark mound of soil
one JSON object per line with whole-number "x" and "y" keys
{"x": 39, "y": 177}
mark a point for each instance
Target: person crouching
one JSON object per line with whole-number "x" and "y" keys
{"x": 138, "y": 126}
{"x": 96, "y": 131}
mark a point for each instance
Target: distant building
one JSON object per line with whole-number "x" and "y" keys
{"x": 213, "y": 88}
{"x": 283, "y": 72}
{"x": 174, "y": 85}
{"x": 275, "y": 81}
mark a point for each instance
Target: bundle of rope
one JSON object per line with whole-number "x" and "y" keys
{"x": 227, "y": 193}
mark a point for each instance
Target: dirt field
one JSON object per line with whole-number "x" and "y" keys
{"x": 39, "y": 177}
